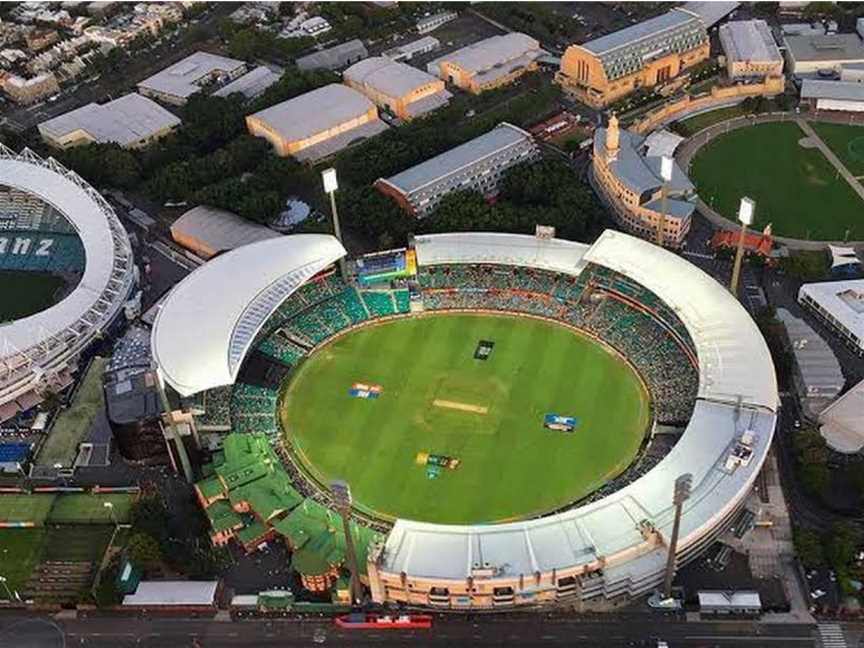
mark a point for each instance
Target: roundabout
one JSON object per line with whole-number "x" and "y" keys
{"x": 440, "y": 397}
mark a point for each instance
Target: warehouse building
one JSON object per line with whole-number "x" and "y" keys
{"x": 840, "y": 306}
{"x": 335, "y": 58}
{"x": 489, "y": 63}
{"x": 317, "y": 124}
{"x": 833, "y": 95}
{"x": 207, "y": 231}
{"x": 750, "y": 50}
{"x": 644, "y": 55}
{"x": 627, "y": 177}
{"x": 822, "y": 54}
{"x": 408, "y": 51}
{"x": 710, "y": 12}
{"x": 132, "y": 121}
{"x": 433, "y": 22}
{"x": 475, "y": 165}
{"x": 817, "y": 375}
{"x": 398, "y": 88}
{"x": 251, "y": 84}
{"x": 176, "y": 83}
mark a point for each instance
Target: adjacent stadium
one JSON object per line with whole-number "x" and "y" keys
{"x": 67, "y": 269}
{"x": 510, "y": 411}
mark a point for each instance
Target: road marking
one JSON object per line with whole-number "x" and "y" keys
{"x": 759, "y": 638}
{"x": 831, "y": 636}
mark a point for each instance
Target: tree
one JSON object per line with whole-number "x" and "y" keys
{"x": 103, "y": 165}
{"x": 808, "y": 547}
{"x": 149, "y": 516}
{"x": 143, "y": 550}
{"x": 842, "y": 545}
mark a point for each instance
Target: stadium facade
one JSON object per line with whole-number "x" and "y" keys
{"x": 39, "y": 352}
{"x": 282, "y": 299}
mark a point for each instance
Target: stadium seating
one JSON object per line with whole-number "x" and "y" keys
{"x": 379, "y": 303}
{"x": 279, "y": 347}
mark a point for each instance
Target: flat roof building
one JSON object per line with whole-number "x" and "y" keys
{"x": 842, "y": 424}
{"x": 808, "y": 55}
{"x": 750, "y": 50}
{"x": 334, "y": 58}
{"x": 433, "y": 22}
{"x": 176, "y": 83}
{"x": 817, "y": 376}
{"x": 132, "y": 121}
{"x": 407, "y": 51}
{"x": 644, "y": 55}
{"x": 207, "y": 231}
{"x": 711, "y": 12}
{"x": 477, "y": 164}
{"x": 488, "y": 64}
{"x": 317, "y": 124}
{"x": 251, "y": 84}
{"x": 626, "y": 174}
{"x": 396, "y": 87}
{"x": 840, "y": 305}
{"x": 847, "y": 96}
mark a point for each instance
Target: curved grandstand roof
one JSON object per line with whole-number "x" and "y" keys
{"x": 208, "y": 322}
{"x": 734, "y": 362}
{"x": 556, "y": 255}
{"x": 107, "y": 275}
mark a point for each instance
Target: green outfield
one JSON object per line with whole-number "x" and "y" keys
{"x": 439, "y": 399}
{"x": 26, "y": 293}
{"x": 795, "y": 188}
{"x": 846, "y": 141}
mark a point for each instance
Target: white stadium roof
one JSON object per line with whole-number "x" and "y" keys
{"x": 734, "y": 362}
{"x": 205, "y": 327}
{"x": 554, "y": 254}
{"x": 107, "y": 275}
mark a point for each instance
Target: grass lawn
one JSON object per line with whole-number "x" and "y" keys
{"x": 76, "y": 542}
{"x": 25, "y": 508}
{"x": 26, "y": 293}
{"x": 795, "y": 189}
{"x": 696, "y": 123}
{"x": 20, "y": 550}
{"x": 511, "y": 466}
{"x": 90, "y": 509}
{"x": 840, "y": 138}
{"x": 73, "y": 423}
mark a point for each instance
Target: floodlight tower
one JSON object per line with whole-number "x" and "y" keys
{"x": 666, "y": 175}
{"x": 680, "y": 495}
{"x": 745, "y": 216}
{"x": 172, "y": 427}
{"x": 342, "y": 496}
{"x": 331, "y": 184}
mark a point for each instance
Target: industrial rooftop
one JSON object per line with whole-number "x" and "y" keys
{"x": 831, "y": 47}
{"x": 488, "y": 53}
{"x": 387, "y": 76}
{"x": 749, "y": 40}
{"x": 184, "y": 77}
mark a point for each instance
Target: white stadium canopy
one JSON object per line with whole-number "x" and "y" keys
{"x": 205, "y": 327}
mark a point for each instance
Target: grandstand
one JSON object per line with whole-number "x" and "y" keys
{"x": 52, "y": 221}
{"x": 705, "y": 364}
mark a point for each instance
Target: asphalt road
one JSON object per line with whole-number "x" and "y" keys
{"x": 612, "y": 631}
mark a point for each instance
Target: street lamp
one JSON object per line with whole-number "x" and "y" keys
{"x": 342, "y": 497}
{"x": 9, "y": 596}
{"x": 666, "y": 164}
{"x": 680, "y": 495}
{"x": 331, "y": 184}
{"x": 745, "y": 216}
{"x": 110, "y": 507}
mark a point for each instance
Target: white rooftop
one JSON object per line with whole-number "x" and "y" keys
{"x": 315, "y": 112}
{"x": 126, "y": 120}
{"x": 749, "y": 40}
{"x": 182, "y": 78}
{"x": 843, "y": 300}
{"x": 711, "y": 12}
{"x": 206, "y": 325}
{"x": 842, "y": 422}
{"x": 251, "y": 84}
{"x": 491, "y": 52}
{"x": 387, "y": 76}
{"x": 154, "y": 593}
{"x": 218, "y": 229}
{"x": 838, "y": 90}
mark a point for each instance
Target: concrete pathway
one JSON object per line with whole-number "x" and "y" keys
{"x": 829, "y": 155}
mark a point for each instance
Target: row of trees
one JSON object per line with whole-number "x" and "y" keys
{"x": 837, "y": 548}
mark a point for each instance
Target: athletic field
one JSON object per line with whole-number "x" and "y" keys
{"x": 438, "y": 399}
{"x": 846, "y": 141}
{"x": 795, "y": 188}
{"x": 26, "y": 293}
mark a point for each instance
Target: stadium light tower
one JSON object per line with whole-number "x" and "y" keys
{"x": 666, "y": 164}
{"x": 680, "y": 495}
{"x": 331, "y": 184}
{"x": 745, "y": 216}
{"x": 342, "y": 496}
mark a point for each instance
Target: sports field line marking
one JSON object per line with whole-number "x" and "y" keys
{"x": 464, "y": 407}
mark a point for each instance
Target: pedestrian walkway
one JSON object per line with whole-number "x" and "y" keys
{"x": 831, "y": 636}
{"x": 829, "y": 155}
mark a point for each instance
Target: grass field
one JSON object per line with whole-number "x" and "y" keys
{"x": 511, "y": 466}
{"x": 73, "y": 423}
{"x": 90, "y": 509}
{"x": 795, "y": 189}
{"x": 26, "y": 293}
{"x": 20, "y": 551}
{"x": 25, "y": 508}
{"x": 694, "y": 124}
{"x": 846, "y": 141}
